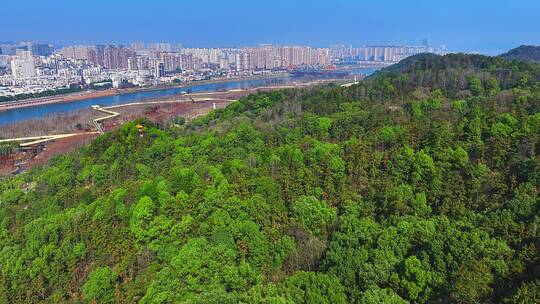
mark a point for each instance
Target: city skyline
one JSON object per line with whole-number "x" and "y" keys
{"x": 179, "y": 45}
{"x": 34, "y": 68}
{"x": 241, "y": 23}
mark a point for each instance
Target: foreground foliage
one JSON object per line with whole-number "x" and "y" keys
{"x": 418, "y": 185}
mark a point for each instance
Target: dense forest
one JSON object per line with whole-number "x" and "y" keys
{"x": 418, "y": 185}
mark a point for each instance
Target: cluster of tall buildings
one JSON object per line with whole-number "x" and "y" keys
{"x": 276, "y": 57}
{"x": 28, "y": 67}
{"x": 38, "y": 49}
{"x": 174, "y": 58}
{"x": 396, "y": 53}
{"x": 109, "y": 57}
{"x": 160, "y": 46}
{"x": 172, "y": 62}
{"x": 382, "y": 53}
{"x": 140, "y": 56}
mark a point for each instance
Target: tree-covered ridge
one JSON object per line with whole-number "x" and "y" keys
{"x": 458, "y": 75}
{"x": 402, "y": 189}
{"x": 527, "y": 53}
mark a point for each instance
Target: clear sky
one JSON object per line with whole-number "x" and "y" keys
{"x": 487, "y": 26}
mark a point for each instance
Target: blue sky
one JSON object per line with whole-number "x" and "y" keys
{"x": 487, "y": 26}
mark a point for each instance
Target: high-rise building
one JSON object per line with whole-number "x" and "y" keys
{"x": 41, "y": 49}
{"x": 10, "y": 49}
{"x": 388, "y": 54}
{"x": 224, "y": 64}
{"x": 132, "y": 64}
{"x": 95, "y": 56}
{"x": 187, "y": 62}
{"x": 111, "y": 57}
{"x": 159, "y": 70}
{"x": 162, "y": 47}
{"x": 137, "y": 46}
{"x": 22, "y": 65}
{"x": 297, "y": 55}
{"x": 395, "y": 53}
{"x": 75, "y": 52}
{"x": 425, "y": 43}
{"x": 142, "y": 63}
{"x": 243, "y": 61}
{"x": 4, "y": 61}
{"x": 173, "y": 61}
{"x": 213, "y": 56}
{"x": 116, "y": 57}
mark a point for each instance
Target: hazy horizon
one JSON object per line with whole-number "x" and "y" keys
{"x": 488, "y": 27}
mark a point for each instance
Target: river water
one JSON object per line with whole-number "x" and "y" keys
{"x": 39, "y": 111}
{"x": 20, "y": 114}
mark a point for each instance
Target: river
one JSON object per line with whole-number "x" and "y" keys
{"x": 39, "y": 111}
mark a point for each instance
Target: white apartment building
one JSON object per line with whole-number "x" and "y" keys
{"x": 22, "y": 65}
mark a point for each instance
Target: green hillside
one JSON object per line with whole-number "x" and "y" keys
{"x": 527, "y": 53}
{"x": 418, "y": 185}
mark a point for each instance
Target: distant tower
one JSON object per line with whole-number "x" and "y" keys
{"x": 159, "y": 70}
{"x": 425, "y": 43}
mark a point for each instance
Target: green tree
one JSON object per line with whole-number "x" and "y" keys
{"x": 101, "y": 285}
{"x": 416, "y": 280}
{"x": 475, "y": 85}
{"x": 180, "y": 120}
{"x": 312, "y": 287}
{"x": 381, "y": 296}
{"x": 314, "y": 214}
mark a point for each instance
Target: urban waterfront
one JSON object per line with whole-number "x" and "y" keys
{"x": 20, "y": 114}
{"x": 40, "y": 111}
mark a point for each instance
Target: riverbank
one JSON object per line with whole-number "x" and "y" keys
{"x": 81, "y": 119}
{"x": 61, "y": 108}
{"x": 63, "y": 98}
{"x": 163, "y": 111}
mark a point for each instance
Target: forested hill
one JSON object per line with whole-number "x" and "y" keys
{"x": 453, "y": 74}
{"x": 527, "y": 53}
{"x": 418, "y": 185}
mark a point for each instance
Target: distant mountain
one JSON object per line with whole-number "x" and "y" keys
{"x": 528, "y": 53}
{"x": 452, "y": 73}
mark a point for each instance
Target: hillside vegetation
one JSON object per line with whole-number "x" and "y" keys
{"x": 418, "y": 185}
{"x": 527, "y": 53}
